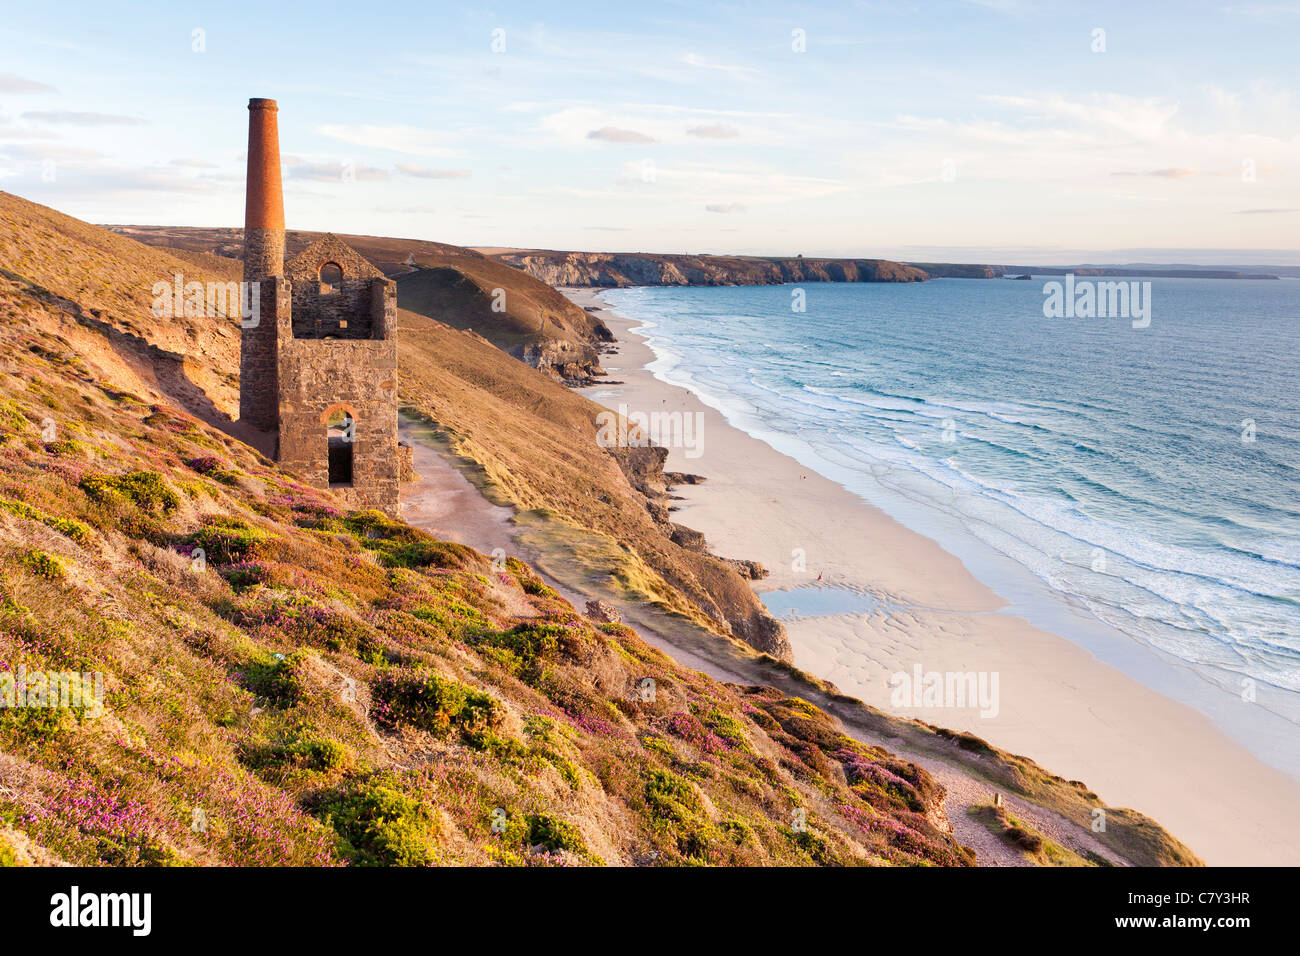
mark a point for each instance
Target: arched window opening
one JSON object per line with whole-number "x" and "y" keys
{"x": 331, "y": 277}
{"x": 341, "y": 431}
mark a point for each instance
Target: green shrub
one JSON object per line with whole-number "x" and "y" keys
{"x": 43, "y": 565}
{"x": 676, "y": 811}
{"x": 401, "y": 546}
{"x": 8, "y": 855}
{"x": 529, "y": 646}
{"x": 428, "y": 702}
{"x": 381, "y": 826}
{"x": 554, "y": 834}
{"x": 247, "y": 574}
{"x": 36, "y": 723}
{"x": 11, "y": 415}
{"x": 68, "y": 448}
{"x": 450, "y": 614}
{"x": 671, "y": 797}
{"x": 738, "y": 831}
{"x": 145, "y": 489}
{"x": 320, "y": 754}
{"x": 816, "y": 846}
{"x": 278, "y": 678}
{"x": 67, "y": 527}
{"x": 229, "y": 542}
{"x": 727, "y": 727}
{"x": 547, "y": 832}
{"x": 437, "y": 554}
{"x": 114, "y": 849}
{"x": 537, "y": 587}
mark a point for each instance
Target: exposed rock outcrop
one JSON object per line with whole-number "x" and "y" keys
{"x": 603, "y": 613}
{"x": 731, "y": 598}
{"x": 749, "y": 570}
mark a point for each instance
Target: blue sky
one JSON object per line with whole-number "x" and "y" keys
{"x": 960, "y": 131}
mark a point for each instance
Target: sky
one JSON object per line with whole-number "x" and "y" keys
{"x": 990, "y": 131}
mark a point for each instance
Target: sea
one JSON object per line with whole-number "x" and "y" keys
{"x": 1130, "y": 483}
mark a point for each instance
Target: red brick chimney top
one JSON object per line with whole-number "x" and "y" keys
{"x": 264, "y": 199}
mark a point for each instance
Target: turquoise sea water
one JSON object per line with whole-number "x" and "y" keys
{"x": 1112, "y": 463}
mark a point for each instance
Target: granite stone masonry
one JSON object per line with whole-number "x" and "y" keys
{"x": 318, "y": 365}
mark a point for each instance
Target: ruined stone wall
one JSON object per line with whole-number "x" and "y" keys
{"x": 314, "y": 349}
{"x": 344, "y": 312}
{"x": 406, "y": 463}
{"x": 320, "y": 376}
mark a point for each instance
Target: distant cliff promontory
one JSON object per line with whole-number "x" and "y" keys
{"x": 606, "y": 269}
{"x": 618, "y": 269}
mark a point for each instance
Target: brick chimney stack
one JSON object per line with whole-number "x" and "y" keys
{"x": 264, "y": 199}
{"x": 259, "y": 396}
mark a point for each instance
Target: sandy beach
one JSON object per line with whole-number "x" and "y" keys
{"x": 921, "y": 607}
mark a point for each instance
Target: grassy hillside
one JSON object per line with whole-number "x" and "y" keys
{"x": 336, "y": 687}
{"x": 512, "y": 315}
{"x": 534, "y": 439}
{"x": 288, "y": 682}
{"x": 457, "y": 286}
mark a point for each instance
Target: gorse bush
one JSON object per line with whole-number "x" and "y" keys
{"x": 426, "y": 701}
{"x": 75, "y": 530}
{"x": 314, "y": 754}
{"x": 543, "y": 832}
{"x": 145, "y": 489}
{"x": 676, "y": 811}
{"x": 527, "y": 647}
{"x": 229, "y": 541}
{"x": 43, "y": 565}
{"x": 381, "y": 826}
{"x": 401, "y": 546}
{"x": 279, "y": 678}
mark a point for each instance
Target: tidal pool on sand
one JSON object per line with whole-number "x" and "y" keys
{"x": 815, "y": 601}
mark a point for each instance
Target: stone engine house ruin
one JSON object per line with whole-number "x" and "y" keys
{"x": 318, "y": 364}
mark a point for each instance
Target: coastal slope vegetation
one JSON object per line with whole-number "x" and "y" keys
{"x": 286, "y": 681}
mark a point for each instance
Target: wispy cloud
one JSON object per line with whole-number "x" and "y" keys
{"x": 63, "y": 154}
{"x": 335, "y": 172}
{"x": 67, "y": 118}
{"x": 399, "y": 139}
{"x": 613, "y": 134}
{"x": 1175, "y": 172}
{"x": 704, "y": 63}
{"x": 716, "y": 131}
{"x": 421, "y": 172}
{"x": 12, "y": 83}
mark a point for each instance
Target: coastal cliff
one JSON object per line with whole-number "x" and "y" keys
{"x": 337, "y": 687}
{"x": 610, "y": 269}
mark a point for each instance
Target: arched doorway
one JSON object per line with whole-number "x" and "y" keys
{"x": 341, "y": 442}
